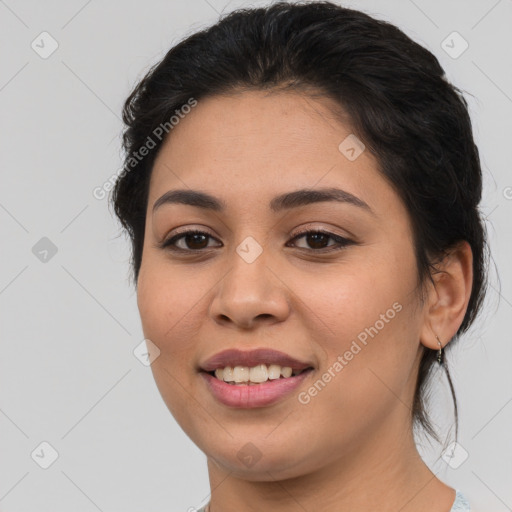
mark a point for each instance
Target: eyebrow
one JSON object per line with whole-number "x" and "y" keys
{"x": 285, "y": 201}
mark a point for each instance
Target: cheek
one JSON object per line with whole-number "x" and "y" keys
{"x": 167, "y": 308}
{"x": 348, "y": 300}
{"x": 367, "y": 323}
{"x": 167, "y": 311}
{"x": 368, "y": 350}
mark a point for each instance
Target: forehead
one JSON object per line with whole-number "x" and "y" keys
{"x": 253, "y": 145}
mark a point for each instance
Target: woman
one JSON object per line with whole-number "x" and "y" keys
{"x": 301, "y": 189}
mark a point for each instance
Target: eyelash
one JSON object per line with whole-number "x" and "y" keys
{"x": 341, "y": 241}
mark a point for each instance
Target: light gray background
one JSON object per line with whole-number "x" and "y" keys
{"x": 69, "y": 325}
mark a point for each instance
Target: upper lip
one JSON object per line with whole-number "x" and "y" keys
{"x": 251, "y": 358}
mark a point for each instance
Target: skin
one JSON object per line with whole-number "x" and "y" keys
{"x": 351, "y": 447}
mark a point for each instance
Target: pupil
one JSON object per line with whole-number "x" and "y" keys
{"x": 194, "y": 236}
{"x": 318, "y": 238}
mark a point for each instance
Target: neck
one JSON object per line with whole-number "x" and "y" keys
{"x": 385, "y": 473}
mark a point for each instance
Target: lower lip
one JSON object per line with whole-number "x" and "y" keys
{"x": 258, "y": 395}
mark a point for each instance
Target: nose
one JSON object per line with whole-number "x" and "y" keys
{"x": 250, "y": 294}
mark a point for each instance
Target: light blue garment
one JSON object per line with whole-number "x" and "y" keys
{"x": 460, "y": 504}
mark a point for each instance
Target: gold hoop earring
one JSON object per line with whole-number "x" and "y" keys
{"x": 440, "y": 351}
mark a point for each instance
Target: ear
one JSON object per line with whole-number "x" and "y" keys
{"x": 448, "y": 297}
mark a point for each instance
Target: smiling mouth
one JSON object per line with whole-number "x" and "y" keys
{"x": 260, "y": 374}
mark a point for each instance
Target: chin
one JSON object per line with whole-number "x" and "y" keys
{"x": 265, "y": 465}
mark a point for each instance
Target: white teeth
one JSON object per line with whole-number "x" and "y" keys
{"x": 256, "y": 374}
{"x": 241, "y": 373}
{"x": 226, "y": 375}
{"x": 274, "y": 371}
{"x": 286, "y": 371}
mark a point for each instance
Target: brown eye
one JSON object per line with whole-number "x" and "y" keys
{"x": 318, "y": 241}
{"x": 190, "y": 241}
{"x": 196, "y": 241}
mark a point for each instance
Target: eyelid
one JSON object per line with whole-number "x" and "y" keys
{"x": 308, "y": 228}
{"x": 183, "y": 230}
{"x": 167, "y": 245}
{"x": 340, "y": 241}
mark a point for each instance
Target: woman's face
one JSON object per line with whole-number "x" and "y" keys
{"x": 348, "y": 310}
